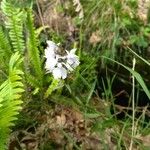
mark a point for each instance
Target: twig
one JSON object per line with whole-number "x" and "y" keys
{"x": 40, "y": 14}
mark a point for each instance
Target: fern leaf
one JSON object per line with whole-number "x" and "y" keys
{"x": 5, "y": 48}
{"x": 10, "y": 102}
{"x": 14, "y": 22}
{"x": 5, "y": 52}
{"x": 33, "y": 48}
{"x": 31, "y": 80}
{"x": 52, "y": 87}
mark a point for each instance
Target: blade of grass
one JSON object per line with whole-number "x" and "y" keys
{"x": 135, "y": 74}
{"x": 91, "y": 92}
{"x": 144, "y": 60}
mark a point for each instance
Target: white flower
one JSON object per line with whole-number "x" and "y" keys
{"x": 72, "y": 58}
{"x": 49, "y": 53}
{"x": 53, "y": 46}
{"x": 51, "y": 57}
{"x": 68, "y": 67}
{"x": 59, "y": 72}
{"x": 50, "y": 64}
{"x": 59, "y": 65}
{"x": 50, "y": 50}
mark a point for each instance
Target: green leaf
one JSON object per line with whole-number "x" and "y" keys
{"x": 10, "y": 98}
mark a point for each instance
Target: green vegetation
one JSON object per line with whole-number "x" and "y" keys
{"x": 101, "y": 102}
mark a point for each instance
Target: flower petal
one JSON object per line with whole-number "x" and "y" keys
{"x": 59, "y": 73}
{"x": 68, "y": 67}
{"x": 50, "y": 64}
{"x": 73, "y": 60}
{"x": 50, "y": 50}
{"x": 73, "y": 51}
{"x": 63, "y": 73}
{"x": 49, "y": 53}
{"x": 52, "y": 45}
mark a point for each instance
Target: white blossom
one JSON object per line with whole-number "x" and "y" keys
{"x": 57, "y": 64}
{"x": 72, "y": 59}
{"x": 51, "y": 58}
{"x": 49, "y": 53}
{"x": 50, "y": 64}
{"x": 59, "y": 72}
{"x": 52, "y": 46}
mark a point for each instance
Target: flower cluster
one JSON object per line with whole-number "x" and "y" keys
{"x": 57, "y": 64}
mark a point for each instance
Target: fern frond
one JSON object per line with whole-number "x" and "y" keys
{"x": 14, "y": 22}
{"x": 33, "y": 48}
{"x": 5, "y": 48}
{"x": 5, "y": 52}
{"x": 52, "y": 87}
{"x": 31, "y": 80}
{"x": 10, "y": 102}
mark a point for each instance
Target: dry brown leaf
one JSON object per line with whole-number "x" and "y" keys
{"x": 79, "y": 8}
{"x": 95, "y": 38}
{"x": 77, "y": 115}
{"x": 61, "y": 120}
{"x": 143, "y": 6}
